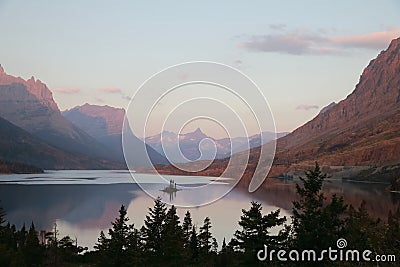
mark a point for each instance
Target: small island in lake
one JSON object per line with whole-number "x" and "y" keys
{"x": 171, "y": 188}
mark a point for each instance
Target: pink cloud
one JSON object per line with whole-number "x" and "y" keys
{"x": 112, "y": 90}
{"x": 306, "y": 107}
{"x": 374, "y": 40}
{"x": 300, "y": 42}
{"x": 71, "y": 90}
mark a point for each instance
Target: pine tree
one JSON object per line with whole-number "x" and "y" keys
{"x": 205, "y": 239}
{"x": 362, "y": 231}
{"x": 255, "y": 232}
{"x": 33, "y": 251}
{"x": 223, "y": 255}
{"x": 186, "y": 228}
{"x": 214, "y": 245}
{"x": 193, "y": 246}
{"x": 21, "y": 237}
{"x": 205, "y": 236}
{"x": 118, "y": 249}
{"x": 153, "y": 229}
{"x": 69, "y": 250}
{"x": 316, "y": 225}
{"x": 172, "y": 239}
{"x": 392, "y": 237}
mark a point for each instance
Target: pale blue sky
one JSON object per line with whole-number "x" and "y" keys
{"x": 300, "y": 53}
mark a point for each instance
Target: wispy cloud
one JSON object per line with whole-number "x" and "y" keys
{"x": 112, "y": 90}
{"x": 278, "y": 27}
{"x": 116, "y": 90}
{"x": 374, "y": 40}
{"x": 299, "y": 42}
{"x": 71, "y": 90}
{"x": 306, "y": 107}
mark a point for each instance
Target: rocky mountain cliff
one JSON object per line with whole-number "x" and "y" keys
{"x": 29, "y": 104}
{"x": 35, "y": 87}
{"x": 96, "y": 120}
{"x": 105, "y": 124}
{"x": 363, "y": 129}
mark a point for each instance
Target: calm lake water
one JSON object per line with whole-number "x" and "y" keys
{"x": 83, "y": 203}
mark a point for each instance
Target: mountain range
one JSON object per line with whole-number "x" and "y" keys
{"x": 35, "y": 131}
{"x": 29, "y": 104}
{"x": 106, "y": 125}
{"x": 363, "y": 130}
{"x": 192, "y": 146}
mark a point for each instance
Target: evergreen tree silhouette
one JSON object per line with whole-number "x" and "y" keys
{"x": 33, "y": 252}
{"x": 172, "y": 239}
{"x": 316, "y": 224}
{"x": 119, "y": 248}
{"x": 153, "y": 231}
{"x": 255, "y": 232}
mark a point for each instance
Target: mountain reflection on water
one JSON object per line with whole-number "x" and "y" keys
{"x": 83, "y": 210}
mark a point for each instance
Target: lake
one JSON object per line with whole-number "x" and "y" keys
{"x": 83, "y": 203}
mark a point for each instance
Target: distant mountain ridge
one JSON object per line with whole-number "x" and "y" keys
{"x": 189, "y": 144}
{"x": 105, "y": 124}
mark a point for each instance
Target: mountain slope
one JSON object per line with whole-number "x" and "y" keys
{"x": 363, "y": 129}
{"x": 105, "y": 124}
{"x": 29, "y": 104}
{"x": 17, "y": 145}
